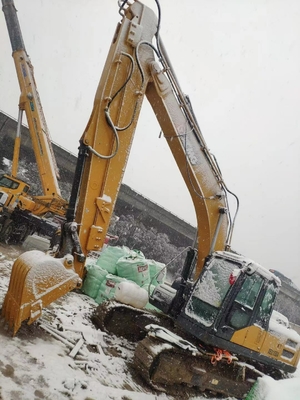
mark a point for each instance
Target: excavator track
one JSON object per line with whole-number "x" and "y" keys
{"x": 126, "y": 321}
{"x": 167, "y": 368}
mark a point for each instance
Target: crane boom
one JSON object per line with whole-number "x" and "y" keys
{"x": 30, "y": 103}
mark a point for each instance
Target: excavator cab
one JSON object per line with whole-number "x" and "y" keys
{"x": 230, "y": 307}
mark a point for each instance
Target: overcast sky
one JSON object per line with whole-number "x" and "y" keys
{"x": 239, "y": 61}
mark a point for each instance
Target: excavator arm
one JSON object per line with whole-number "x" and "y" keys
{"x": 131, "y": 72}
{"x": 199, "y": 170}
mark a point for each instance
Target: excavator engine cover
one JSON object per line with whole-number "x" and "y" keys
{"x": 36, "y": 280}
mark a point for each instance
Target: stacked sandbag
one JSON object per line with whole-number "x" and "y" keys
{"x": 157, "y": 272}
{"x": 123, "y": 274}
{"x": 149, "y": 288}
{"x": 108, "y": 288}
{"x": 134, "y": 267}
{"x": 94, "y": 277}
{"x": 109, "y": 257}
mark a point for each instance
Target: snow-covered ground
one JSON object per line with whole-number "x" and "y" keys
{"x": 36, "y": 365}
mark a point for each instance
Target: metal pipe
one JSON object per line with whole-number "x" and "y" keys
{"x": 17, "y": 145}
{"x": 222, "y": 212}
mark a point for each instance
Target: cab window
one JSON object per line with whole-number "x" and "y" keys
{"x": 14, "y": 185}
{"x": 266, "y": 305}
{"x": 210, "y": 292}
{"x": 6, "y": 182}
{"x": 244, "y": 303}
{"x": 249, "y": 291}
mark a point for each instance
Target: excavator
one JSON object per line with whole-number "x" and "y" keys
{"x": 214, "y": 330}
{"x": 21, "y": 212}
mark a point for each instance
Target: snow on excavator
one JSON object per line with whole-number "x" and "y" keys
{"x": 214, "y": 330}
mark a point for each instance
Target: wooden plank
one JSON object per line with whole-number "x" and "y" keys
{"x": 76, "y": 348}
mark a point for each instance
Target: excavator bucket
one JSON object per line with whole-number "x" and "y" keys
{"x": 36, "y": 280}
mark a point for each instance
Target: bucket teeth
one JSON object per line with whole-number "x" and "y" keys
{"x": 36, "y": 281}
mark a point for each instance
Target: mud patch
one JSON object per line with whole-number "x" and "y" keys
{"x": 39, "y": 394}
{"x": 8, "y": 371}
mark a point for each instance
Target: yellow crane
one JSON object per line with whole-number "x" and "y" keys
{"x": 22, "y": 211}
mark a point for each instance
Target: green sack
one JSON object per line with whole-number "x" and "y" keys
{"x": 109, "y": 257}
{"x": 149, "y": 288}
{"x": 93, "y": 279}
{"x": 108, "y": 288}
{"x": 135, "y": 268}
{"x": 135, "y": 252}
{"x": 259, "y": 390}
{"x": 157, "y": 272}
